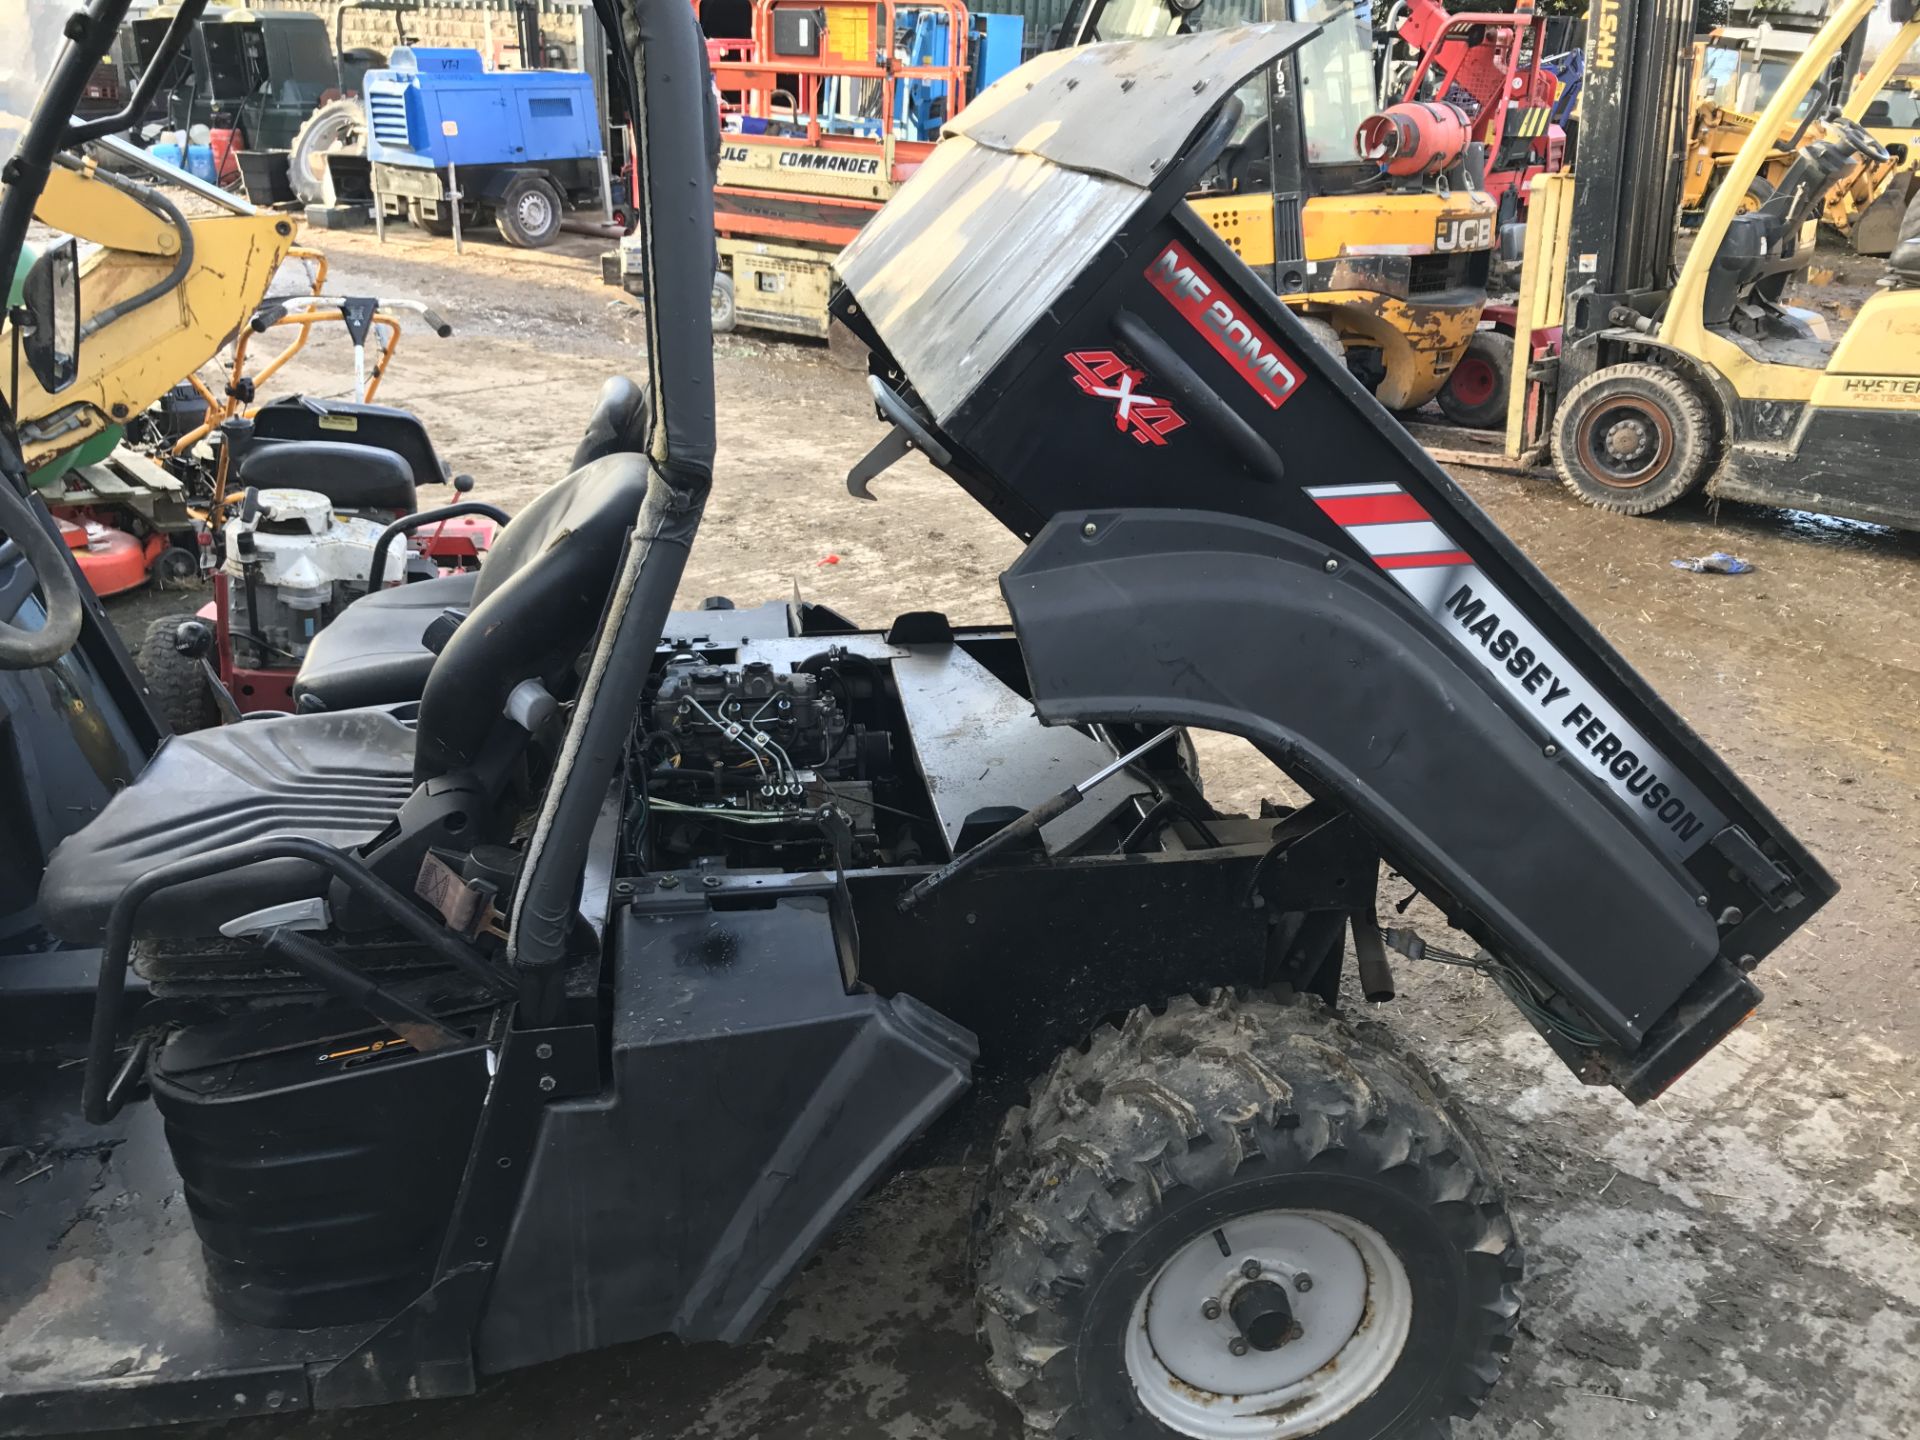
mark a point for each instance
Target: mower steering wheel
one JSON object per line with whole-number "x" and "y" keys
{"x": 25, "y": 528}
{"x": 1860, "y": 139}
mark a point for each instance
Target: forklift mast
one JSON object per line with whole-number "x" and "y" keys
{"x": 1628, "y": 165}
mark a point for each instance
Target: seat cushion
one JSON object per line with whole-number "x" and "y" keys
{"x": 337, "y": 778}
{"x": 371, "y": 653}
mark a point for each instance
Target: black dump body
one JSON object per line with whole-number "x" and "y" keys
{"x": 1229, "y": 532}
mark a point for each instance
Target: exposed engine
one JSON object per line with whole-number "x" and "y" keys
{"x": 292, "y": 563}
{"x": 766, "y": 766}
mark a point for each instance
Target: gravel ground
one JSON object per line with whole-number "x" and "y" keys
{"x": 1740, "y": 1259}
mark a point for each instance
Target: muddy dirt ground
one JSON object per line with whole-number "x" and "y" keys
{"x": 1740, "y": 1259}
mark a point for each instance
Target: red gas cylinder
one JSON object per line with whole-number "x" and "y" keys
{"x": 226, "y": 154}
{"x": 1416, "y": 137}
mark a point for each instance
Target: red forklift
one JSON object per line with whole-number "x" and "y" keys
{"x": 1492, "y": 66}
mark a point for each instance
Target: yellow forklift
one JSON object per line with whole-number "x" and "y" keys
{"x": 1657, "y": 386}
{"x": 1391, "y": 268}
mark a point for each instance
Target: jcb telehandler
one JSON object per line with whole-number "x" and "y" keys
{"x": 575, "y": 997}
{"x": 1387, "y": 264}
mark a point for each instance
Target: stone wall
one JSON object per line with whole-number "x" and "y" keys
{"x": 488, "y": 28}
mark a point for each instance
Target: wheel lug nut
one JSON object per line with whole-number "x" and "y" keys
{"x": 1210, "y": 1310}
{"x": 1303, "y": 1283}
{"x": 1237, "y": 1345}
{"x": 1251, "y": 1269}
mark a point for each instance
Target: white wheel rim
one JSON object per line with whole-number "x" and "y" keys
{"x": 536, "y": 213}
{"x": 1352, "y": 1308}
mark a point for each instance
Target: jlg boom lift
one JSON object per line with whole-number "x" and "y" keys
{"x": 826, "y": 107}
{"x": 568, "y": 983}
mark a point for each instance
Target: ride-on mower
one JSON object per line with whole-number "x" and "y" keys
{"x": 576, "y": 1000}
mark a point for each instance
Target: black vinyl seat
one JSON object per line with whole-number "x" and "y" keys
{"x": 341, "y": 777}
{"x": 298, "y": 419}
{"x": 375, "y": 653}
{"x": 353, "y": 477}
{"x": 1903, "y": 264}
{"x": 336, "y": 778}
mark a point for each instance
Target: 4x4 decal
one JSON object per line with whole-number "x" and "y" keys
{"x": 1105, "y": 376}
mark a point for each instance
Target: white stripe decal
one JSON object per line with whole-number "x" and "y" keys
{"x": 1328, "y": 492}
{"x": 1563, "y": 705}
{"x": 1565, "y": 709}
{"x": 1406, "y": 537}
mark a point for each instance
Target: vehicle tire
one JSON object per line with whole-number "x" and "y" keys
{"x": 529, "y": 214}
{"x": 176, "y": 682}
{"x": 1140, "y": 1249}
{"x": 1325, "y": 336}
{"x": 440, "y": 225}
{"x": 725, "y": 315}
{"x": 339, "y": 125}
{"x": 175, "y": 568}
{"x": 1758, "y": 194}
{"x": 1475, "y": 395}
{"x": 1632, "y": 439}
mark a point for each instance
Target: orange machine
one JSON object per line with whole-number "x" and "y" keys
{"x": 826, "y": 107}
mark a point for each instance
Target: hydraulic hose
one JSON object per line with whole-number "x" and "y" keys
{"x": 163, "y": 207}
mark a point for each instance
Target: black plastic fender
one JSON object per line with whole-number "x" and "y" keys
{"x": 1181, "y": 617}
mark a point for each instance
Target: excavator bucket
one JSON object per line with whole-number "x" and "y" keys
{"x": 1877, "y": 226}
{"x": 1228, "y": 532}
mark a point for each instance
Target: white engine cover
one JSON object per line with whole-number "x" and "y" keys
{"x": 301, "y": 547}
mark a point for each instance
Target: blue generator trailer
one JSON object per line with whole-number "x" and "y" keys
{"x": 453, "y": 144}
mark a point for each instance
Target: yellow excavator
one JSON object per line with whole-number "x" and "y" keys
{"x": 162, "y": 293}
{"x": 1737, "y": 73}
{"x": 1389, "y": 267}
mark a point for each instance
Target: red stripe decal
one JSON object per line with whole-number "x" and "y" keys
{"x": 1422, "y": 562}
{"x": 1372, "y": 509}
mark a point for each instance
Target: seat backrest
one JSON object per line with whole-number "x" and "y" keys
{"x": 618, "y": 426}
{"x": 621, "y": 419}
{"x": 1903, "y": 263}
{"x": 535, "y": 610}
{"x": 377, "y": 427}
{"x": 353, "y": 477}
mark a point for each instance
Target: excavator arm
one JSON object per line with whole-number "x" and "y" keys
{"x": 160, "y": 296}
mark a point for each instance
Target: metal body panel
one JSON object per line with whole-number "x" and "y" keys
{"x": 1067, "y": 101}
{"x": 1034, "y": 179}
{"x": 978, "y": 750}
{"x": 1837, "y": 461}
{"x": 1350, "y": 698}
{"x": 683, "y": 1195}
